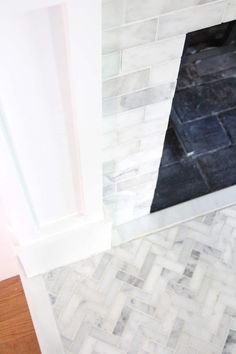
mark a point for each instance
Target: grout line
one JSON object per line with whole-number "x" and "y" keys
{"x": 144, "y": 89}
{"x": 225, "y": 130}
{"x": 148, "y": 43}
{"x": 162, "y": 14}
{"x": 157, "y": 28}
{"x": 121, "y": 75}
{"x": 130, "y": 24}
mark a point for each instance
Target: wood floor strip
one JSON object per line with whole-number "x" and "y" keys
{"x": 17, "y": 334}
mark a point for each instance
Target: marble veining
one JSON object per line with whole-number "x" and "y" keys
{"x": 169, "y": 292}
{"x": 142, "y": 46}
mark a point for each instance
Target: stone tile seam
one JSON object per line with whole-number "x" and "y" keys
{"x": 135, "y": 177}
{"x": 168, "y": 39}
{"x": 142, "y": 89}
{"x": 212, "y": 114}
{"x": 121, "y": 113}
{"x": 209, "y": 4}
{"x": 125, "y": 25}
{"x": 121, "y": 75}
{"x": 143, "y": 45}
{"x": 146, "y": 19}
{"x": 142, "y": 68}
{"x": 155, "y": 130}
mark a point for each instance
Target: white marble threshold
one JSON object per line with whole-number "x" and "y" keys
{"x": 174, "y": 215}
{"x": 42, "y": 315}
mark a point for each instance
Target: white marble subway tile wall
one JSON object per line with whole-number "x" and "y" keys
{"x": 230, "y": 12}
{"x": 142, "y": 47}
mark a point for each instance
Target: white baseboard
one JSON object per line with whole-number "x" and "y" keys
{"x": 67, "y": 247}
{"x": 81, "y": 242}
{"x": 175, "y": 215}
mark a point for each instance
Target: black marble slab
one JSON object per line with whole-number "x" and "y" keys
{"x": 199, "y": 154}
{"x": 219, "y": 168}
{"x": 204, "y": 135}
{"x": 229, "y": 122}
{"x": 180, "y": 181}
{"x": 205, "y": 100}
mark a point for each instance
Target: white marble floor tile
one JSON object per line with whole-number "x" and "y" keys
{"x": 171, "y": 292}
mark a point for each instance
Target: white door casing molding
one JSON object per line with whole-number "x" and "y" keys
{"x": 51, "y": 180}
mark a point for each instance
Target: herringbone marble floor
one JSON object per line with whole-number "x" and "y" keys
{"x": 171, "y": 292}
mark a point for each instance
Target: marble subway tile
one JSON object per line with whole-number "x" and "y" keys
{"x": 145, "y": 194}
{"x": 230, "y": 12}
{"x": 126, "y": 168}
{"x": 109, "y": 140}
{"x": 123, "y": 216}
{"x": 110, "y": 65}
{"x": 120, "y": 151}
{"x": 190, "y": 19}
{"x": 134, "y": 60}
{"x": 155, "y": 53}
{"x": 110, "y": 106}
{"x": 112, "y": 13}
{"x": 123, "y": 120}
{"x": 127, "y": 119}
{"x": 129, "y": 168}
{"x": 129, "y": 36}
{"x": 119, "y": 176}
{"x": 153, "y": 141}
{"x": 139, "y": 211}
{"x": 147, "y": 96}
{"x": 166, "y": 72}
{"x": 160, "y": 110}
{"x": 135, "y": 160}
{"x": 121, "y": 201}
{"x": 133, "y": 183}
{"x": 109, "y": 124}
{"x": 170, "y": 5}
{"x": 138, "y": 99}
{"x": 138, "y": 131}
{"x": 109, "y": 189}
{"x": 108, "y": 167}
{"x": 150, "y": 166}
{"x": 139, "y": 9}
{"x": 125, "y": 83}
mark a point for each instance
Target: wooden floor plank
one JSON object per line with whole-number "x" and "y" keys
{"x": 17, "y": 334}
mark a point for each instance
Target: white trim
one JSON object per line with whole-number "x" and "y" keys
{"x": 84, "y": 49}
{"x": 42, "y": 315}
{"x": 77, "y": 79}
{"x": 66, "y": 247}
{"x": 14, "y": 8}
{"x": 175, "y": 215}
